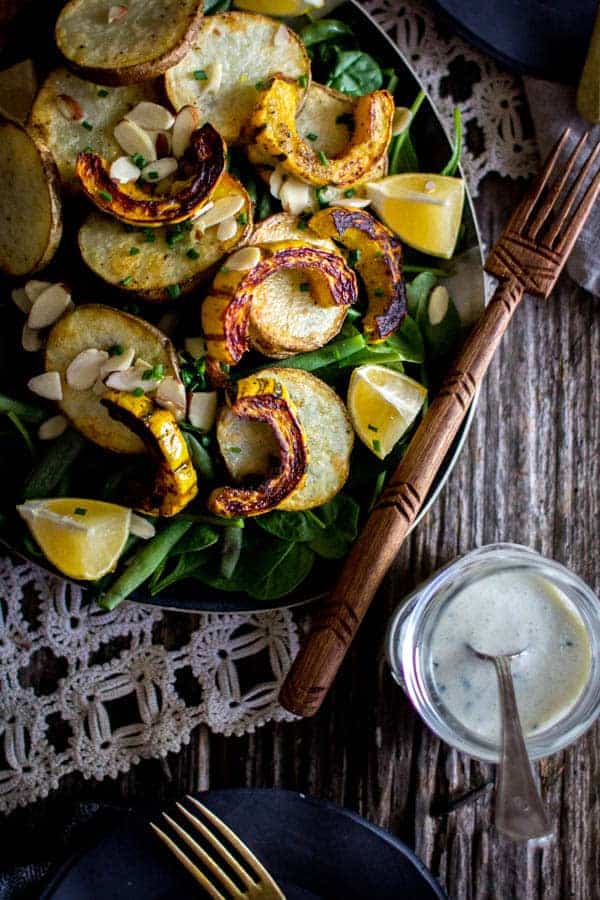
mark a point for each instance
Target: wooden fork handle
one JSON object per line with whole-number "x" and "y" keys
{"x": 316, "y": 665}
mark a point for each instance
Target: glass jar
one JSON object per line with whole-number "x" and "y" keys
{"x": 409, "y": 647}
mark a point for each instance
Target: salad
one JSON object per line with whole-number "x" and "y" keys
{"x": 270, "y": 306}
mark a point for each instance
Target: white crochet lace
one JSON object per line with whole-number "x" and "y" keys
{"x": 112, "y": 692}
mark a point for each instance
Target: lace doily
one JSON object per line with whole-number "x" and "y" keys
{"x": 83, "y": 690}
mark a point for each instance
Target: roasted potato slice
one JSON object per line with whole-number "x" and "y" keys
{"x": 226, "y": 309}
{"x": 235, "y": 52}
{"x": 126, "y": 44}
{"x": 327, "y": 116}
{"x": 175, "y": 483}
{"x": 329, "y": 436}
{"x": 18, "y": 86}
{"x": 101, "y": 327}
{"x": 272, "y": 131}
{"x": 30, "y": 209}
{"x": 283, "y": 318}
{"x": 102, "y": 109}
{"x": 378, "y": 262}
{"x": 205, "y": 160}
{"x": 158, "y": 269}
{"x": 266, "y": 401}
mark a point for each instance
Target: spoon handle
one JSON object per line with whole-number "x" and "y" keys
{"x": 519, "y": 809}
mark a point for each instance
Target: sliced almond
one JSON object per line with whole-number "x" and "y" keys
{"x": 21, "y": 300}
{"x": 244, "y": 259}
{"x": 215, "y": 77}
{"x": 227, "y": 229}
{"x": 281, "y": 36}
{"x": 401, "y": 120}
{"x": 275, "y": 182}
{"x": 117, "y": 363}
{"x": 141, "y": 527}
{"x": 162, "y": 141}
{"x": 46, "y": 385}
{"x": 159, "y": 169}
{"x": 84, "y": 370}
{"x": 134, "y": 139}
{"x": 131, "y": 380}
{"x": 52, "y": 428}
{"x": 352, "y": 202}
{"x": 203, "y": 211}
{"x": 438, "y": 304}
{"x": 186, "y": 122}
{"x": 151, "y": 116}
{"x": 70, "y": 108}
{"x": 116, "y": 13}
{"x": 124, "y": 171}
{"x": 34, "y": 288}
{"x": 170, "y": 394}
{"x": 221, "y": 210}
{"x": 296, "y": 197}
{"x": 31, "y": 340}
{"x": 202, "y": 409}
{"x": 49, "y": 306}
{"x": 195, "y": 346}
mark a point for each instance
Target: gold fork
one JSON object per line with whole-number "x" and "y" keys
{"x": 256, "y": 882}
{"x": 528, "y": 258}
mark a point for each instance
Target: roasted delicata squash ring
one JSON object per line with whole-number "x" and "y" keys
{"x": 175, "y": 484}
{"x": 379, "y": 263}
{"x": 131, "y": 204}
{"x": 272, "y": 131}
{"x": 226, "y": 310}
{"x": 267, "y": 401}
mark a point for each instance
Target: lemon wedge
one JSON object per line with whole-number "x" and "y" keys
{"x": 383, "y": 404}
{"x": 424, "y": 210}
{"x": 279, "y": 7}
{"x": 82, "y": 538}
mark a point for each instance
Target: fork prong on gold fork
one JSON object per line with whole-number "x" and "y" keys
{"x": 255, "y": 879}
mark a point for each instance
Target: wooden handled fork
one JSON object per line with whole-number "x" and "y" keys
{"x": 528, "y": 258}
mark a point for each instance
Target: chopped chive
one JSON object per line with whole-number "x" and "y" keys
{"x": 173, "y": 291}
{"x": 378, "y": 292}
{"x": 321, "y": 198}
{"x": 305, "y": 287}
{"x": 102, "y": 92}
{"x": 192, "y": 254}
{"x": 149, "y": 235}
{"x": 349, "y": 193}
{"x": 87, "y": 125}
{"x": 153, "y": 175}
{"x": 242, "y": 219}
{"x": 353, "y": 257}
{"x": 303, "y": 222}
{"x": 133, "y": 251}
{"x": 235, "y": 449}
{"x": 323, "y": 158}
{"x": 372, "y": 428}
{"x": 105, "y": 196}
{"x": 173, "y": 237}
{"x": 80, "y": 511}
{"x": 138, "y": 392}
{"x": 138, "y": 160}
{"x": 200, "y": 75}
{"x": 311, "y": 136}
{"x": 260, "y": 85}
{"x": 154, "y": 374}
{"x": 187, "y": 226}
{"x": 377, "y": 446}
{"x": 88, "y": 149}
{"x": 127, "y": 280}
{"x": 115, "y": 350}
{"x": 345, "y": 119}
{"x": 302, "y": 81}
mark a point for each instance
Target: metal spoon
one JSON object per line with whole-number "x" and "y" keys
{"x": 520, "y": 813}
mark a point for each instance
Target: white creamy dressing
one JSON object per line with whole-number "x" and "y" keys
{"x": 500, "y": 613}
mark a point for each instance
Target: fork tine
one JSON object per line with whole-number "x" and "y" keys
{"x": 207, "y": 861}
{"x": 216, "y": 843}
{"x": 185, "y": 861}
{"x": 567, "y": 204}
{"x": 234, "y": 840}
{"x": 576, "y": 224}
{"x": 523, "y": 211}
{"x": 556, "y": 190}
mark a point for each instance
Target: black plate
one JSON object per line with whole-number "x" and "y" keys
{"x": 434, "y": 150}
{"x": 312, "y": 848}
{"x": 546, "y": 38}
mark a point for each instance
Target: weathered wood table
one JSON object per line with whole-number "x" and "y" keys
{"x": 530, "y": 473}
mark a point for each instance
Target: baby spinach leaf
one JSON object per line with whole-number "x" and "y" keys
{"x": 200, "y": 456}
{"x": 417, "y": 292}
{"x": 291, "y": 526}
{"x": 408, "y": 341}
{"x": 341, "y": 517}
{"x": 188, "y": 565}
{"x": 216, "y": 6}
{"x": 199, "y": 537}
{"x": 324, "y": 30}
{"x": 355, "y": 73}
{"x": 293, "y": 567}
{"x": 402, "y": 154}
